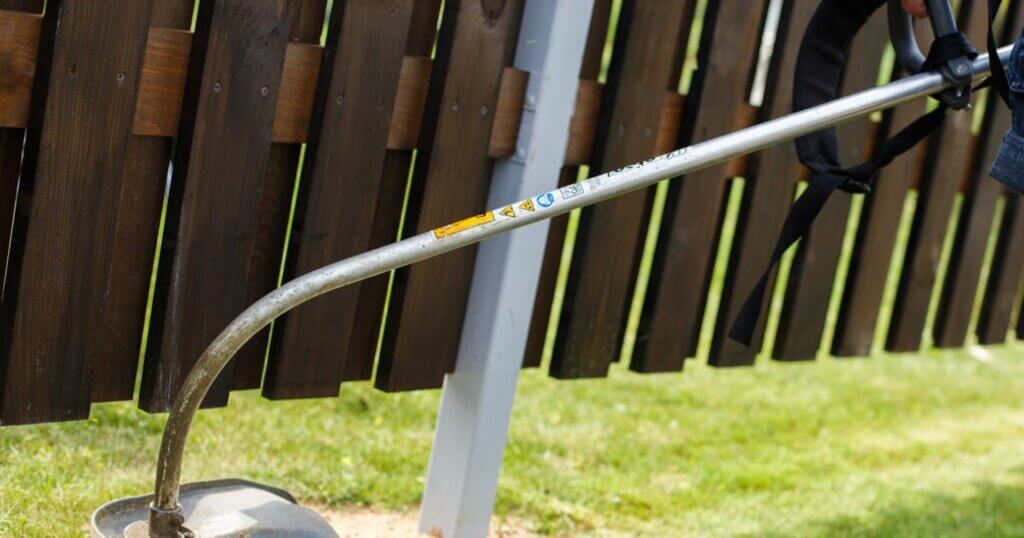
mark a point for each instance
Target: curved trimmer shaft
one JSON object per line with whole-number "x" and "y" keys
{"x": 166, "y": 518}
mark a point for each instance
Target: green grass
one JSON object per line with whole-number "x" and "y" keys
{"x": 917, "y": 445}
{"x": 928, "y": 444}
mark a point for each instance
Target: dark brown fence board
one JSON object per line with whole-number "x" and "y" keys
{"x": 138, "y": 217}
{"x": 650, "y": 45}
{"x": 220, "y": 165}
{"x": 339, "y": 189}
{"x": 365, "y": 335}
{"x": 673, "y": 311}
{"x": 1004, "y": 277}
{"x": 590, "y": 70}
{"x": 877, "y": 230}
{"x": 59, "y": 278}
{"x": 948, "y": 163}
{"x": 813, "y": 272}
{"x": 767, "y": 195}
{"x": 970, "y": 243}
{"x": 19, "y": 65}
{"x": 960, "y": 287}
{"x": 428, "y": 301}
{"x": 275, "y": 207}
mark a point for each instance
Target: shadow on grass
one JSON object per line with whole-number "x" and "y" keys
{"x": 990, "y": 509}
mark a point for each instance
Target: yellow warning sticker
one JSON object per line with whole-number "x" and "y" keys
{"x": 527, "y": 205}
{"x": 464, "y": 224}
{"x": 509, "y": 212}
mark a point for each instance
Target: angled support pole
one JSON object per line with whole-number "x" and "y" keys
{"x": 476, "y": 403}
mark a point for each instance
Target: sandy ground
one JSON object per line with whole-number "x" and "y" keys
{"x": 359, "y": 522}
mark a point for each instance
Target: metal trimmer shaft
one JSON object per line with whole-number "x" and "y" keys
{"x": 165, "y": 511}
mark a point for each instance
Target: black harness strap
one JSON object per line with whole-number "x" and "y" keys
{"x": 820, "y": 64}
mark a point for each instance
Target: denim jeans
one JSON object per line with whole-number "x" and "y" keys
{"x": 1008, "y": 167}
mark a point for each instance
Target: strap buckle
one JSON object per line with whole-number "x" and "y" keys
{"x": 958, "y": 71}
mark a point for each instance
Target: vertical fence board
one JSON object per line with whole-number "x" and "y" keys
{"x": 220, "y": 165}
{"x": 877, "y": 230}
{"x": 17, "y": 68}
{"x": 1004, "y": 277}
{"x": 650, "y": 45}
{"x": 428, "y": 301}
{"x": 960, "y": 286}
{"x": 673, "y": 311}
{"x": 970, "y": 243}
{"x": 339, "y": 191}
{"x": 138, "y": 216}
{"x": 813, "y": 272}
{"x": 590, "y": 70}
{"x": 373, "y": 293}
{"x": 948, "y": 162}
{"x": 275, "y": 207}
{"x": 59, "y": 280}
{"x": 767, "y": 194}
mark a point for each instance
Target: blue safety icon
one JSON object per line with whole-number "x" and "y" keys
{"x": 546, "y": 199}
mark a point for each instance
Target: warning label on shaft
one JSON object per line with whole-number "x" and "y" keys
{"x": 464, "y": 224}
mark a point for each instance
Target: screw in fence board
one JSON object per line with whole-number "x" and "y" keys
{"x": 650, "y": 43}
{"x": 767, "y": 194}
{"x": 428, "y": 300}
{"x": 476, "y": 404}
{"x": 220, "y": 165}
{"x": 138, "y": 215}
{"x": 339, "y": 189}
{"x": 590, "y": 70}
{"x": 275, "y": 205}
{"x": 813, "y": 271}
{"x": 673, "y": 311}
{"x": 365, "y": 334}
{"x": 58, "y": 278}
{"x": 949, "y": 153}
{"x": 960, "y": 286}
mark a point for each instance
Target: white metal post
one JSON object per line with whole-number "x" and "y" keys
{"x": 476, "y": 403}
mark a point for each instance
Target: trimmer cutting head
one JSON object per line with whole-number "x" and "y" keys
{"x": 218, "y": 508}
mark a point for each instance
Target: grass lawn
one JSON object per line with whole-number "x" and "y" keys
{"x": 916, "y": 445}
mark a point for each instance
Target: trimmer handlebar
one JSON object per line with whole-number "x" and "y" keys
{"x": 959, "y": 71}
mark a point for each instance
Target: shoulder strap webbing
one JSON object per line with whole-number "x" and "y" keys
{"x": 819, "y": 68}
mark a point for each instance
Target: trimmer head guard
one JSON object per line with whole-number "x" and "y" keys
{"x": 218, "y": 508}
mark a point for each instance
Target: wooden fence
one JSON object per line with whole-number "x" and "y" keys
{"x": 202, "y": 154}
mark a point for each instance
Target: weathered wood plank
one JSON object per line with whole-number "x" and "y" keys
{"x": 673, "y": 313}
{"x": 813, "y": 272}
{"x": 18, "y": 47}
{"x": 476, "y": 42}
{"x": 767, "y": 195}
{"x": 650, "y": 46}
{"x": 339, "y": 189}
{"x": 138, "y": 218}
{"x": 275, "y": 205}
{"x": 877, "y": 230}
{"x": 394, "y": 181}
{"x": 58, "y": 278}
{"x": 948, "y": 163}
{"x": 1004, "y": 278}
{"x": 960, "y": 285}
{"x": 19, "y": 43}
{"x": 220, "y": 166}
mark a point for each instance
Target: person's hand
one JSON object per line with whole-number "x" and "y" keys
{"x": 915, "y": 8}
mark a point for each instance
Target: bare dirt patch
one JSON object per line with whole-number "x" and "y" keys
{"x": 361, "y": 522}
